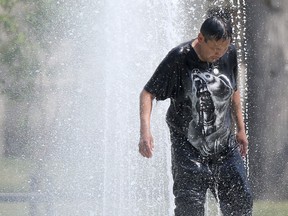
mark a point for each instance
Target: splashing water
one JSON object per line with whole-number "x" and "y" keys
{"x": 120, "y": 45}
{"x": 116, "y": 47}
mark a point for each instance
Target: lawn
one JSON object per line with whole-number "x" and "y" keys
{"x": 260, "y": 208}
{"x": 15, "y": 177}
{"x": 269, "y": 208}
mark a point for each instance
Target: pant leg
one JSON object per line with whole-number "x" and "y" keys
{"x": 233, "y": 188}
{"x": 191, "y": 178}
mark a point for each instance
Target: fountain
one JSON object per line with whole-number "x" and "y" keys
{"x": 116, "y": 46}
{"x": 90, "y": 164}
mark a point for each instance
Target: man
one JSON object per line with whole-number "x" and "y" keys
{"x": 200, "y": 78}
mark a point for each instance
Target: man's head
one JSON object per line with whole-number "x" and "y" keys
{"x": 216, "y": 28}
{"x": 214, "y": 39}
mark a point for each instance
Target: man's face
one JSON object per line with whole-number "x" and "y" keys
{"x": 212, "y": 50}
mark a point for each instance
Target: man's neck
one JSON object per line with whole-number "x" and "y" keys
{"x": 196, "y": 46}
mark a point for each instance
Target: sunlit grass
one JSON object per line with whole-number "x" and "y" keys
{"x": 14, "y": 209}
{"x": 260, "y": 208}
{"x": 270, "y": 208}
{"x": 15, "y": 175}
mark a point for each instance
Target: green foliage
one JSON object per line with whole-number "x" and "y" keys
{"x": 8, "y": 23}
{"x": 7, "y": 4}
{"x": 47, "y": 21}
{"x": 17, "y": 56}
{"x": 27, "y": 27}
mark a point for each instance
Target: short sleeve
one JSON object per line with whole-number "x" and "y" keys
{"x": 162, "y": 84}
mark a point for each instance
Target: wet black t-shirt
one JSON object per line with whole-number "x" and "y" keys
{"x": 200, "y": 95}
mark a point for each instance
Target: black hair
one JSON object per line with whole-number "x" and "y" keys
{"x": 216, "y": 28}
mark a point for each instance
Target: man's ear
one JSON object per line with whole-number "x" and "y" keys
{"x": 200, "y": 38}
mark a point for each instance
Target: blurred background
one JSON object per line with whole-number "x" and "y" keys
{"x": 71, "y": 72}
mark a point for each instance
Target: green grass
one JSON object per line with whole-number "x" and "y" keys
{"x": 15, "y": 175}
{"x": 260, "y": 208}
{"x": 270, "y": 208}
{"x": 14, "y": 209}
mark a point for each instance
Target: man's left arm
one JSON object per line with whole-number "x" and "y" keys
{"x": 241, "y": 134}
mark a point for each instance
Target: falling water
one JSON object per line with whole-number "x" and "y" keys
{"x": 136, "y": 34}
{"x": 117, "y": 47}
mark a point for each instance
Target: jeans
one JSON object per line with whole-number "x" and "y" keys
{"x": 193, "y": 175}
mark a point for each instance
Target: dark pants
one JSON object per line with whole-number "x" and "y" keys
{"x": 225, "y": 176}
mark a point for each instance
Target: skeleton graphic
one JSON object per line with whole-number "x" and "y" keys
{"x": 210, "y": 98}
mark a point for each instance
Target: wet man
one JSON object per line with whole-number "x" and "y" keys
{"x": 200, "y": 79}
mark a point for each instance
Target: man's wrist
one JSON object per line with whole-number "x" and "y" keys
{"x": 144, "y": 132}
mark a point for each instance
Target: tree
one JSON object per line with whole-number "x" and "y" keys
{"x": 267, "y": 104}
{"x": 29, "y": 32}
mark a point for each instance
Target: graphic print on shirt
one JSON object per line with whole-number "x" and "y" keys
{"x": 210, "y": 96}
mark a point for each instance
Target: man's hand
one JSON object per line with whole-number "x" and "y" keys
{"x": 243, "y": 142}
{"x": 146, "y": 145}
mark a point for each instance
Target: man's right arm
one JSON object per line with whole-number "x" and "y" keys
{"x": 146, "y": 144}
